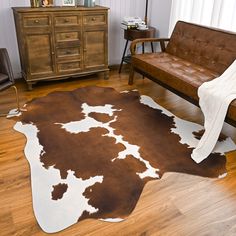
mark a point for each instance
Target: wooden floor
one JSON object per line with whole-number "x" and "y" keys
{"x": 178, "y": 204}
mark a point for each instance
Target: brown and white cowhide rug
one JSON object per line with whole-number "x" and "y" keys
{"x": 92, "y": 150}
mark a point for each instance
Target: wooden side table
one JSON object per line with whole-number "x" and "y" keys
{"x": 132, "y": 34}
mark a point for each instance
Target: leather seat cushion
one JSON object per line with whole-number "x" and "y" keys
{"x": 177, "y": 73}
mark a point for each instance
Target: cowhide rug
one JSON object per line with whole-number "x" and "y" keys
{"x": 92, "y": 150}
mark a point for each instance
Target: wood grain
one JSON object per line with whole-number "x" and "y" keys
{"x": 178, "y": 204}
{"x": 43, "y": 33}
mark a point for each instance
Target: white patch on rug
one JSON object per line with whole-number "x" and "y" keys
{"x": 222, "y": 176}
{"x": 52, "y": 215}
{"x": 88, "y": 123}
{"x": 106, "y": 109}
{"x": 114, "y": 220}
{"x": 185, "y": 129}
{"x": 13, "y": 113}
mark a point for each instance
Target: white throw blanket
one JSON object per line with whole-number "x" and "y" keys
{"x": 214, "y": 99}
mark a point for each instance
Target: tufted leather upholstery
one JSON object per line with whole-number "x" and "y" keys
{"x": 174, "y": 71}
{"x": 211, "y": 48}
{"x": 195, "y": 54}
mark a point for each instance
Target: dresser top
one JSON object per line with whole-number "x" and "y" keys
{"x": 57, "y": 8}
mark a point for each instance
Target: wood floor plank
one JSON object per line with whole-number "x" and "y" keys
{"x": 178, "y": 204}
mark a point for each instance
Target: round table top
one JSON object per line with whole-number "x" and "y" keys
{"x": 132, "y": 34}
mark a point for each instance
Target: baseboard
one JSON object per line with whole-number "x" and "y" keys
{"x": 125, "y": 67}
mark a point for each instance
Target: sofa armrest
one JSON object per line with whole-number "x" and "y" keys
{"x": 151, "y": 40}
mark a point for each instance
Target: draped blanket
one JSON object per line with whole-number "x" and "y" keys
{"x": 214, "y": 99}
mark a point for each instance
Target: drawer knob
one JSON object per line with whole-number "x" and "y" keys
{"x": 93, "y": 19}
{"x": 66, "y": 20}
{"x": 36, "y": 21}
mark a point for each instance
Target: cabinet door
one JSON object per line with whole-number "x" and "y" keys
{"x": 95, "y": 49}
{"x": 40, "y": 55}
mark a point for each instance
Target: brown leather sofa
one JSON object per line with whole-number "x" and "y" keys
{"x": 193, "y": 54}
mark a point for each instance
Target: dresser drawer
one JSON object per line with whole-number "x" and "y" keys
{"x": 67, "y": 36}
{"x": 94, "y": 19}
{"x": 69, "y": 66}
{"x": 67, "y": 20}
{"x": 36, "y": 21}
{"x": 66, "y": 52}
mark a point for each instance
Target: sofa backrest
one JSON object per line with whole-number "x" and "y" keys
{"x": 211, "y": 48}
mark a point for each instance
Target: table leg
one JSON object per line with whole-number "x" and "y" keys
{"x": 143, "y": 47}
{"x": 152, "y": 47}
{"x": 123, "y": 56}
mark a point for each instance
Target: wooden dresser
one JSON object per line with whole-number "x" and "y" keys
{"x": 61, "y": 42}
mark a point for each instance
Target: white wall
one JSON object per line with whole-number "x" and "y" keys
{"x": 158, "y": 15}
{"x": 7, "y": 32}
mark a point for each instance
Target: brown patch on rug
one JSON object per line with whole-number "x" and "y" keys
{"x": 198, "y": 135}
{"x": 58, "y": 191}
{"x": 100, "y": 117}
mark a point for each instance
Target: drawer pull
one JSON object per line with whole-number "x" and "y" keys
{"x": 93, "y": 19}
{"x": 36, "y": 21}
{"x": 66, "y": 20}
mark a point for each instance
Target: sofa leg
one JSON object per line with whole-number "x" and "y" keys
{"x": 131, "y": 76}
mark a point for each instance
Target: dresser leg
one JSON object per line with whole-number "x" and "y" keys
{"x": 106, "y": 75}
{"x": 30, "y": 86}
